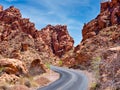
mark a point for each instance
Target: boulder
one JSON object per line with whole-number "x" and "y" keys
{"x": 13, "y": 66}
{"x": 36, "y": 67}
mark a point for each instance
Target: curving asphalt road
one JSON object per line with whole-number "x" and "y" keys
{"x": 69, "y": 80}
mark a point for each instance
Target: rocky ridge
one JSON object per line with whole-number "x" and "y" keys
{"x": 24, "y": 50}
{"x": 22, "y": 42}
{"x": 57, "y": 38}
{"x": 108, "y": 16}
{"x": 94, "y": 53}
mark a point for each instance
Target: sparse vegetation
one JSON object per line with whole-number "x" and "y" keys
{"x": 95, "y": 66}
{"x": 60, "y": 62}
{"x": 47, "y": 65}
{"x": 28, "y": 81}
{"x": 1, "y": 70}
{"x": 94, "y": 86}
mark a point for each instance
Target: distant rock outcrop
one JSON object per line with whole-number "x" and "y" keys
{"x": 101, "y": 32}
{"x": 57, "y": 38}
{"x": 109, "y": 15}
{"x": 99, "y": 35}
{"x": 52, "y": 39}
{"x": 1, "y": 8}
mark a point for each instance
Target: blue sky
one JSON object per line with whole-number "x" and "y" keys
{"x": 73, "y": 13}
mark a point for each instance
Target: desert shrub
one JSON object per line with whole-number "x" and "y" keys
{"x": 1, "y": 70}
{"x": 95, "y": 64}
{"x": 60, "y": 62}
{"x": 94, "y": 86}
{"x": 47, "y": 65}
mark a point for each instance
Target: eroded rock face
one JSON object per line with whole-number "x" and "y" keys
{"x": 110, "y": 70}
{"x": 13, "y": 23}
{"x": 99, "y": 35}
{"x": 1, "y": 8}
{"x": 101, "y": 32}
{"x": 21, "y": 33}
{"x": 13, "y": 66}
{"x": 26, "y": 48}
{"x": 36, "y": 67}
{"x": 87, "y": 49}
{"x": 7, "y": 78}
{"x": 57, "y": 38}
{"x": 109, "y": 15}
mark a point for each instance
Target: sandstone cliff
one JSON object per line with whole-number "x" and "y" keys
{"x": 99, "y": 35}
{"x": 109, "y": 15}
{"x": 57, "y": 38}
{"x": 94, "y": 52}
{"x": 24, "y": 50}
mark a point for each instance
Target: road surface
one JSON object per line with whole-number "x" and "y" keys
{"x": 69, "y": 80}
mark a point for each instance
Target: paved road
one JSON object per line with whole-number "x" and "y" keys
{"x": 69, "y": 80}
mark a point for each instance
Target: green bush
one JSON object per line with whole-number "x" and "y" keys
{"x": 94, "y": 86}
{"x": 60, "y": 62}
{"x": 47, "y": 65}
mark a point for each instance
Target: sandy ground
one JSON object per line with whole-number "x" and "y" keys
{"x": 51, "y": 76}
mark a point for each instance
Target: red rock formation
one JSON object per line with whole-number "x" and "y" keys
{"x": 99, "y": 35}
{"x": 52, "y": 39}
{"x": 1, "y": 8}
{"x": 13, "y": 66}
{"x": 24, "y": 47}
{"x": 57, "y": 38}
{"x": 15, "y": 54}
{"x": 110, "y": 69}
{"x": 109, "y": 15}
{"x": 12, "y": 21}
{"x": 16, "y": 35}
{"x": 36, "y": 67}
{"x": 21, "y": 41}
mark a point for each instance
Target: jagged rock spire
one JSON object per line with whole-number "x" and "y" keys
{"x": 1, "y": 8}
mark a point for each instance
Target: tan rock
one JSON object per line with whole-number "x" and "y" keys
{"x": 6, "y": 79}
{"x": 15, "y": 54}
{"x": 19, "y": 87}
{"x": 13, "y": 66}
{"x": 1, "y": 8}
{"x": 36, "y": 67}
{"x": 24, "y": 47}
